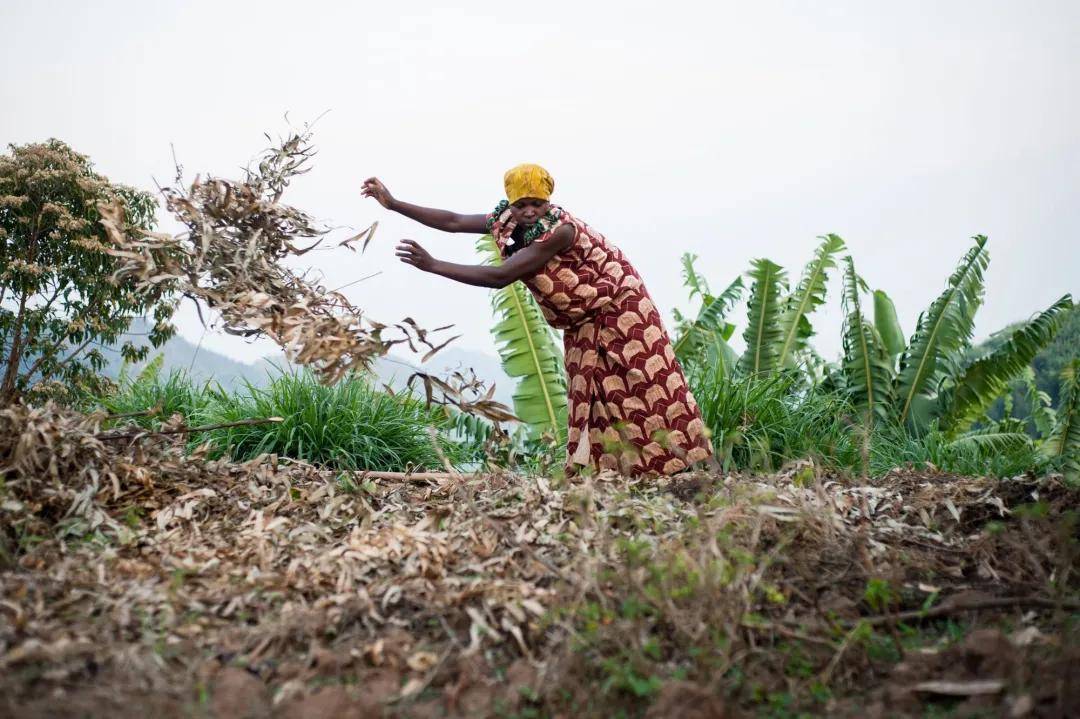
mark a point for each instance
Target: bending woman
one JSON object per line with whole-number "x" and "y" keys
{"x": 629, "y": 409}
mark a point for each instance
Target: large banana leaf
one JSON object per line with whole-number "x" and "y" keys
{"x": 986, "y": 379}
{"x": 1040, "y": 404}
{"x": 888, "y": 327}
{"x": 867, "y": 367}
{"x": 808, "y": 295}
{"x": 1064, "y": 443}
{"x": 763, "y": 333}
{"x": 943, "y": 331}
{"x": 720, "y": 356}
{"x": 530, "y": 353}
{"x": 709, "y": 325}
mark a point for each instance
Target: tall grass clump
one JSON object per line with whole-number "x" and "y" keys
{"x": 349, "y": 425}
{"x": 148, "y": 399}
{"x": 759, "y": 422}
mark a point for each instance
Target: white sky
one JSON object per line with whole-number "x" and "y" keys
{"x": 732, "y": 130}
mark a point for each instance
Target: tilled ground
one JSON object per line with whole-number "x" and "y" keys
{"x": 140, "y": 580}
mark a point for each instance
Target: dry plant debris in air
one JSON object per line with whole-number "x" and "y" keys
{"x": 238, "y": 235}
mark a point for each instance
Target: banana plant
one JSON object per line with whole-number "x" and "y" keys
{"x": 1064, "y": 444}
{"x": 1040, "y": 405}
{"x": 530, "y": 353}
{"x": 707, "y": 334}
{"x": 942, "y": 333}
{"x": 967, "y": 396}
{"x": 888, "y": 326}
{"x": 808, "y": 295}
{"x": 867, "y": 365}
{"x": 763, "y": 332}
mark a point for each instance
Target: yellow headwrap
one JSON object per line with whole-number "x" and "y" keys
{"x": 528, "y": 181}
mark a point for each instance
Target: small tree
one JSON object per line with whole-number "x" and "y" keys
{"x": 59, "y": 304}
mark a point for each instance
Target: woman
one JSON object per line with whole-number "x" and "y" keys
{"x": 629, "y": 406}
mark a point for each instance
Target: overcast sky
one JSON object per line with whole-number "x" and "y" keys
{"x": 732, "y": 130}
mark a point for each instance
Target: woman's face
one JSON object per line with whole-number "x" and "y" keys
{"x": 528, "y": 210}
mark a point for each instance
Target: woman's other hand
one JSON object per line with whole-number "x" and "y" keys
{"x": 373, "y": 187}
{"x": 413, "y": 254}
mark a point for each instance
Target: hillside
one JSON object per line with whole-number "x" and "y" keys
{"x": 180, "y": 354}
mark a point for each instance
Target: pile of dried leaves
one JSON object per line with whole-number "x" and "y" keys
{"x": 194, "y": 588}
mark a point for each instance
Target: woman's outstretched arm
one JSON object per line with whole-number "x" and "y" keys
{"x": 521, "y": 265}
{"x": 439, "y": 219}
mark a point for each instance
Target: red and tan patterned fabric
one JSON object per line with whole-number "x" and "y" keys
{"x": 629, "y": 405}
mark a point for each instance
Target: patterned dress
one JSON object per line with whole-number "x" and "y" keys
{"x": 629, "y": 405}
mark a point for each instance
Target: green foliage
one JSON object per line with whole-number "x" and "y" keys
{"x": 349, "y": 425}
{"x": 866, "y": 364}
{"x": 943, "y": 331}
{"x": 808, "y": 296}
{"x": 1040, "y": 404}
{"x": 1063, "y": 445}
{"x": 148, "y": 399}
{"x": 1031, "y": 398}
{"x": 991, "y": 454}
{"x": 530, "y": 353}
{"x": 58, "y": 305}
{"x": 708, "y": 332}
{"x": 763, "y": 330}
{"x": 985, "y": 379}
{"x": 887, "y": 325}
{"x": 759, "y": 423}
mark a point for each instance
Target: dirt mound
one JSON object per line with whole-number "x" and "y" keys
{"x": 204, "y": 589}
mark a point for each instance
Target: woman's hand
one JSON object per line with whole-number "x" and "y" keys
{"x": 415, "y": 255}
{"x": 373, "y": 187}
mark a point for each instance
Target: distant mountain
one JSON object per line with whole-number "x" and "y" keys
{"x": 205, "y": 364}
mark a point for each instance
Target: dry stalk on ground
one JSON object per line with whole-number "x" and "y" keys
{"x": 424, "y": 588}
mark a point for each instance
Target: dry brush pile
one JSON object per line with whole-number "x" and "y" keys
{"x": 138, "y": 577}
{"x": 233, "y": 258}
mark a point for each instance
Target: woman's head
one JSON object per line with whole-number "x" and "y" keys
{"x": 528, "y": 188}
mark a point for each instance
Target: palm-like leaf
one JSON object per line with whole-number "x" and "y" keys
{"x": 808, "y": 295}
{"x": 868, "y": 371}
{"x": 943, "y": 331}
{"x": 709, "y": 325}
{"x": 763, "y": 333}
{"x": 987, "y": 443}
{"x": 1041, "y": 405}
{"x": 530, "y": 353}
{"x": 1064, "y": 443}
{"x": 887, "y": 325}
{"x": 692, "y": 279}
{"x": 986, "y": 379}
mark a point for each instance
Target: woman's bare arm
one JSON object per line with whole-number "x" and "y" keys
{"x": 439, "y": 219}
{"x": 521, "y": 265}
